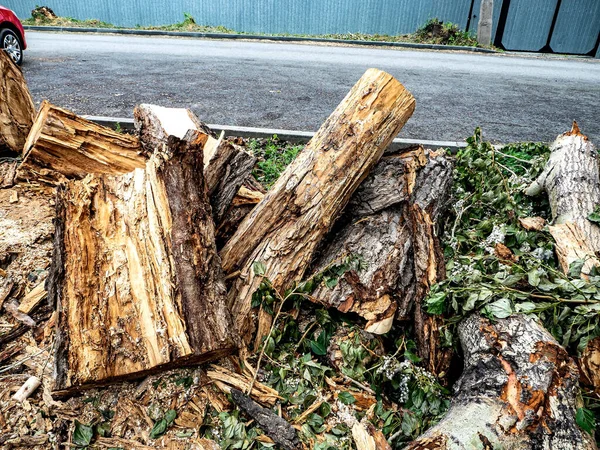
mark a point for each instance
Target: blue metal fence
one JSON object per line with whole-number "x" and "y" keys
{"x": 567, "y": 26}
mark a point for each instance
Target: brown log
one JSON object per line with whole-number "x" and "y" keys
{"x": 589, "y": 365}
{"x": 16, "y": 106}
{"x": 572, "y": 180}
{"x": 286, "y": 227}
{"x": 518, "y": 390}
{"x": 62, "y": 145}
{"x": 226, "y": 165}
{"x": 135, "y": 272}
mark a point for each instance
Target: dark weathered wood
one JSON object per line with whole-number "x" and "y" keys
{"x": 518, "y": 390}
{"x": 16, "y": 106}
{"x": 135, "y": 274}
{"x": 572, "y": 180}
{"x": 274, "y": 426}
{"x": 285, "y": 228}
{"x": 62, "y": 145}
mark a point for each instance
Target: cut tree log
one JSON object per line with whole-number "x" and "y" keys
{"x": 62, "y": 145}
{"x": 135, "y": 273}
{"x": 391, "y": 223}
{"x": 571, "y": 179}
{"x": 226, "y": 165}
{"x": 518, "y": 390}
{"x": 285, "y": 228}
{"x": 16, "y": 106}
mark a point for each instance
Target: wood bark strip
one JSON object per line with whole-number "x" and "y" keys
{"x": 62, "y": 145}
{"x": 572, "y": 180}
{"x": 589, "y": 365}
{"x": 286, "y": 227}
{"x": 135, "y": 272}
{"x": 16, "y": 106}
{"x": 518, "y": 390}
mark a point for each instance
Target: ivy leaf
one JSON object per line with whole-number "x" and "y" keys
{"x": 585, "y": 419}
{"x": 158, "y": 429}
{"x": 259, "y": 268}
{"x": 83, "y": 434}
{"x": 346, "y": 398}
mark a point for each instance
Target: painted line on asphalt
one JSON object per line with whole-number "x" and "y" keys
{"x": 258, "y": 37}
{"x": 286, "y": 135}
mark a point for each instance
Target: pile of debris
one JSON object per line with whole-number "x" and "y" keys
{"x": 157, "y": 257}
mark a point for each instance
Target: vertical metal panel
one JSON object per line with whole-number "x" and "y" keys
{"x": 577, "y": 27}
{"x": 266, "y": 16}
{"x": 528, "y": 24}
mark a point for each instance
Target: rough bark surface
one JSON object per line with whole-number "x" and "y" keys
{"x": 518, "y": 390}
{"x": 286, "y": 227}
{"x": 62, "y": 145}
{"x": 226, "y": 165}
{"x": 571, "y": 179}
{"x": 274, "y": 426}
{"x": 135, "y": 273}
{"x": 16, "y": 106}
{"x": 589, "y": 364}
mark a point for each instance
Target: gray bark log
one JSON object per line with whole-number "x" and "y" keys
{"x": 518, "y": 390}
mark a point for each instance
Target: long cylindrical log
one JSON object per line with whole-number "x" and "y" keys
{"x": 16, "y": 106}
{"x": 62, "y": 145}
{"x": 285, "y": 228}
{"x": 135, "y": 272}
{"x": 518, "y": 390}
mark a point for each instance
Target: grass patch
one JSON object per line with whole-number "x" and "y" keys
{"x": 433, "y": 32}
{"x": 274, "y": 155}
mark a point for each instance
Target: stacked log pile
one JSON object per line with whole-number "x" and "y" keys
{"x": 146, "y": 247}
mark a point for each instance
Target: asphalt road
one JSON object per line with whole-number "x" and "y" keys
{"x": 295, "y": 86}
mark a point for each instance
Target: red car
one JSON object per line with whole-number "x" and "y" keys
{"x": 12, "y": 35}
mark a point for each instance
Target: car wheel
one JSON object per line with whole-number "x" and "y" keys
{"x": 11, "y": 44}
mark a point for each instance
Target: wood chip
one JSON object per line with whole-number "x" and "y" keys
{"x": 33, "y": 298}
{"x": 532, "y": 223}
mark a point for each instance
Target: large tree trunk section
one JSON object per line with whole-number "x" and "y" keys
{"x": 391, "y": 222}
{"x": 518, "y": 390}
{"x": 135, "y": 273}
{"x": 226, "y": 165}
{"x": 285, "y": 228}
{"x": 62, "y": 145}
{"x": 571, "y": 179}
{"x": 16, "y": 106}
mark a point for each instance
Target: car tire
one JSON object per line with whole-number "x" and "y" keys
{"x": 12, "y": 45}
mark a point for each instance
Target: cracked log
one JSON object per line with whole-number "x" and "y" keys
{"x": 571, "y": 179}
{"x": 518, "y": 390}
{"x": 16, "y": 106}
{"x": 135, "y": 273}
{"x": 285, "y": 228}
{"x": 226, "y": 165}
{"x": 391, "y": 222}
{"x": 62, "y": 145}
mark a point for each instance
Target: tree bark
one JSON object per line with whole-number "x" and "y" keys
{"x": 135, "y": 273}
{"x": 518, "y": 390}
{"x": 16, "y": 106}
{"x": 226, "y": 165}
{"x": 285, "y": 228}
{"x": 571, "y": 179}
{"x": 62, "y": 145}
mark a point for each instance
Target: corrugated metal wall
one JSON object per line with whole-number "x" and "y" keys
{"x": 518, "y": 24}
{"x": 265, "y": 16}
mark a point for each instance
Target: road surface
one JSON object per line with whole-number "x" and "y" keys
{"x": 296, "y": 86}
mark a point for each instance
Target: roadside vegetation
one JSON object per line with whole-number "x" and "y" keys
{"x": 433, "y": 32}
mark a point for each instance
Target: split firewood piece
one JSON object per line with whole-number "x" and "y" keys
{"x": 62, "y": 145}
{"x": 226, "y": 165}
{"x": 285, "y": 228}
{"x": 366, "y": 437}
{"x": 274, "y": 426}
{"x": 33, "y": 298}
{"x": 571, "y": 179}
{"x": 16, "y": 106}
{"x": 225, "y": 380}
{"x": 135, "y": 272}
{"x": 27, "y": 389}
{"x": 8, "y": 172}
{"x": 518, "y": 390}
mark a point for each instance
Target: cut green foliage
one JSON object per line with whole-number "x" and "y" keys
{"x": 161, "y": 426}
{"x": 83, "y": 434}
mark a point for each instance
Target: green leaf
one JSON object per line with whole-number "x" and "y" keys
{"x": 158, "y": 429}
{"x": 436, "y": 303}
{"x": 501, "y": 308}
{"x": 575, "y": 268}
{"x": 534, "y": 277}
{"x": 259, "y": 268}
{"x": 346, "y": 398}
{"x": 317, "y": 348}
{"x": 585, "y": 419}
{"x": 170, "y": 416}
{"x": 83, "y": 434}
{"x": 595, "y": 216}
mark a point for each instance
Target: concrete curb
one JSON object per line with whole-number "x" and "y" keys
{"x": 287, "y": 135}
{"x": 190, "y": 34}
